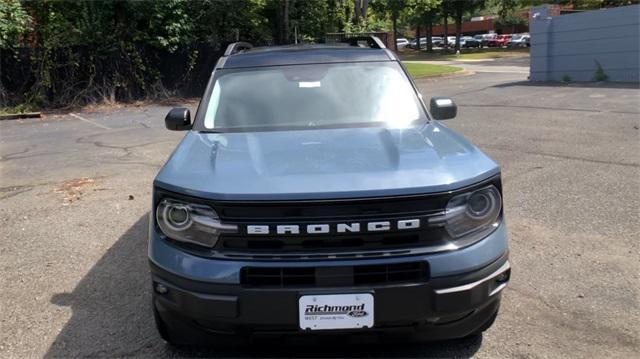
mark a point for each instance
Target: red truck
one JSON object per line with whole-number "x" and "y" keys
{"x": 499, "y": 41}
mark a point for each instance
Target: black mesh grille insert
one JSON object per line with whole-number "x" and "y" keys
{"x": 410, "y": 272}
{"x": 335, "y": 244}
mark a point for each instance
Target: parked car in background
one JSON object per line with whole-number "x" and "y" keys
{"x": 499, "y": 41}
{"x": 519, "y": 40}
{"x": 465, "y": 42}
{"x": 483, "y": 39}
{"x": 488, "y": 38}
{"x": 413, "y": 44}
{"x": 435, "y": 40}
{"x": 469, "y": 42}
{"x": 402, "y": 43}
{"x": 503, "y": 40}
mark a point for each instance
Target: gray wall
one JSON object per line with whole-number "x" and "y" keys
{"x": 571, "y": 44}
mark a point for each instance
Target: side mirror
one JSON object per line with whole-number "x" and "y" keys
{"x": 443, "y": 108}
{"x": 178, "y": 119}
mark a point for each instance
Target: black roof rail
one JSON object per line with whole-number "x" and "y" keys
{"x": 373, "y": 41}
{"x": 235, "y": 47}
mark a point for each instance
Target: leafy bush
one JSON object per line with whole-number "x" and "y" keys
{"x": 599, "y": 74}
{"x": 14, "y": 22}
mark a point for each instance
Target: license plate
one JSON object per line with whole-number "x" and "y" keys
{"x": 336, "y": 311}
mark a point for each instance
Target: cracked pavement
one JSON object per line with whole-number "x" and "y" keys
{"x": 75, "y": 195}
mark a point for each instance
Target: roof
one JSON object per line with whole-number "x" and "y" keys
{"x": 303, "y": 54}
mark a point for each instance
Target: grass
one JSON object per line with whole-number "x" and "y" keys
{"x": 424, "y": 70}
{"x": 465, "y": 54}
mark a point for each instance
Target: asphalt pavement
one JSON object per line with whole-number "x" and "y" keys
{"x": 75, "y": 195}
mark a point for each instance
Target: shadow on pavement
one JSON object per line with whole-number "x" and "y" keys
{"x": 112, "y": 317}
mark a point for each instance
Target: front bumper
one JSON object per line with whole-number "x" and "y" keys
{"x": 439, "y": 309}
{"x": 461, "y": 295}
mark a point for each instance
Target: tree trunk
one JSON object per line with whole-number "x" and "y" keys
{"x": 394, "y": 18}
{"x": 360, "y": 8}
{"x": 363, "y": 12}
{"x": 285, "y": 21}
{"x": 445, "y": 40}
{"x": 418, "y": 37}
{"x": 429, "y": 36}
{"x": 458, "y": 30}
{"x": 120, "y": 12}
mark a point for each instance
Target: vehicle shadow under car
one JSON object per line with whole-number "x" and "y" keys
{"x": 112, "y": 316}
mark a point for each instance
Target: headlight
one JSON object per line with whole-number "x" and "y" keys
{"x": 190, "y": 222}
{"x": 471, "y": 212}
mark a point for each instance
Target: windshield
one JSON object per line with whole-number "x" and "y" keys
{"x": 306, "y": 96}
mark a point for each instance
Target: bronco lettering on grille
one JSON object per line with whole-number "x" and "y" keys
{"x": 323, "y": 228}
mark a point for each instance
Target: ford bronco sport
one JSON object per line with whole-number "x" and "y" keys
{"x": 314, "y": 194}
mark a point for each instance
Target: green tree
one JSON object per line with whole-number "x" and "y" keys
{"x": 221, "y": 21}
{"x": 375, "y": 19}
{"x": 394, "y": 9}
{"x": 424, "y": 12}
{"x": 508, "y": 11}
{"x": 14, "y": 22}
{"x": 446, "y": 8}
{"x": 459, "y": 8}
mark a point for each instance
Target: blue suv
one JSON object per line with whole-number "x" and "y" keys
{"x": 314, "y": 193}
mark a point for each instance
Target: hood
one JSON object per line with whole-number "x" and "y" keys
{"x": 324, "y": 163}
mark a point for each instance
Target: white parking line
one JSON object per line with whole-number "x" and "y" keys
{"x": 89, "y": 121}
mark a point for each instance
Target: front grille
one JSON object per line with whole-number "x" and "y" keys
{"x": 331, "y": 212}
{"x": 336, "y": 246}
{"x": 282, "y": 277}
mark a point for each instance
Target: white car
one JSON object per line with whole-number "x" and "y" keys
{"x": 402, "y": 43}
{"x": 519, "y": 40}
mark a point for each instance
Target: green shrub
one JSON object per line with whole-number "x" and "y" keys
{"x": 22, "y": 108}
{"x": 566, "y": 78}
{"x": 599, "y": 75}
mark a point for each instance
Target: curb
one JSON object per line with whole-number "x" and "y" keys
{"x": 17, "y": 116}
